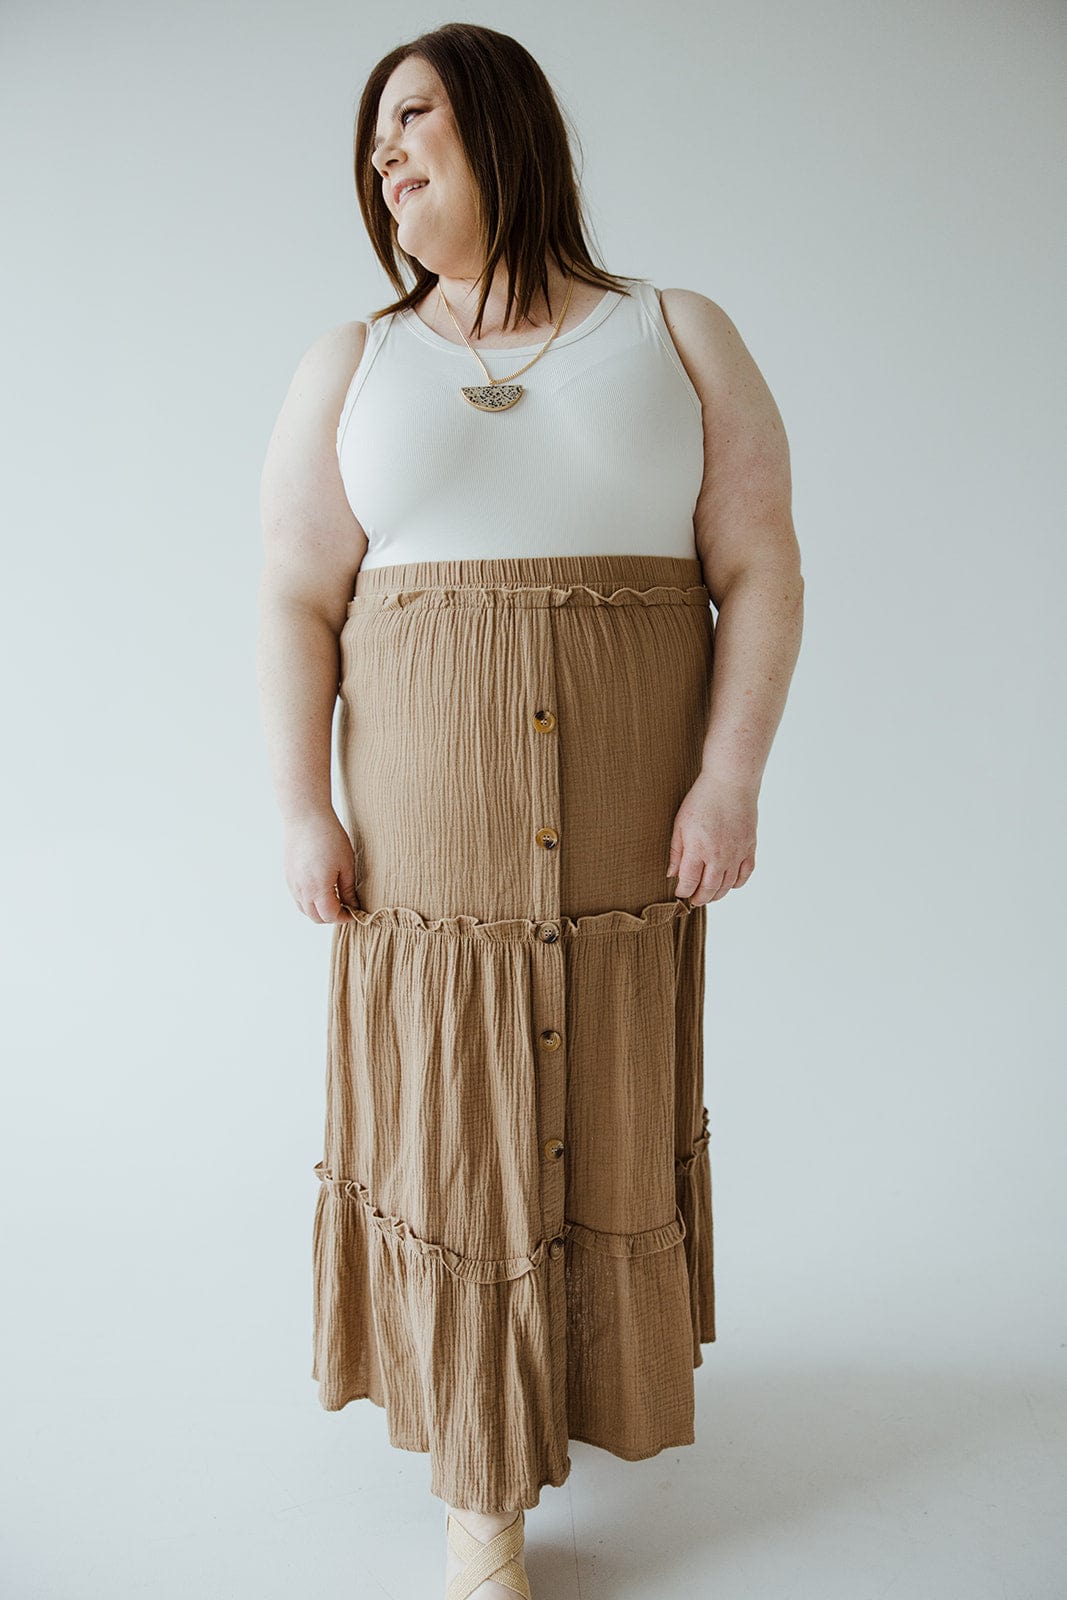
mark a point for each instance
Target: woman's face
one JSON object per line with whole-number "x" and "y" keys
{"x": 416, "y": 140}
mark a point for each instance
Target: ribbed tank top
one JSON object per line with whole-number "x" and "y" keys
{"x": 602, "y": 455}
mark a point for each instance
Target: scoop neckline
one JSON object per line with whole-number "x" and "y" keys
{"x": 604, "y": 305}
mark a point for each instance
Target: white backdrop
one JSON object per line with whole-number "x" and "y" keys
{"x": 869, "y": 191}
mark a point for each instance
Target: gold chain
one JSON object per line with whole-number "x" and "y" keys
{"x": 488, "y": 377}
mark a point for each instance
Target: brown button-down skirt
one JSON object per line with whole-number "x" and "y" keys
{"x": 513, "y": 1229}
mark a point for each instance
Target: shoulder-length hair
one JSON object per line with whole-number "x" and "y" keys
{"x": 515, "y": 139}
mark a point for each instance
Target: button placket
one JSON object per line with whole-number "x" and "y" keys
{"x": 549, "y": 990}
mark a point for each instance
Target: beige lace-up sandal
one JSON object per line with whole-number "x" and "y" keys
{"x": 495, "y": 1560}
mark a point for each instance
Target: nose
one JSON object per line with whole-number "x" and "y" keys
{"x": 385, "y": 153}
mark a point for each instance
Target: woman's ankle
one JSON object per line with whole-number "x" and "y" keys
{"x": 484, "y": 1524}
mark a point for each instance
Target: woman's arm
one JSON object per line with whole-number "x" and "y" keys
{"x": 751, "y": 559}
{"x": 313, "y": 547}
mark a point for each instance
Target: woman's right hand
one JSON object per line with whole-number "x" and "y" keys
{"x": 320, "y": 867}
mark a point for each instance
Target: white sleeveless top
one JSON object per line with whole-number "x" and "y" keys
{"x": 602, "y": 455}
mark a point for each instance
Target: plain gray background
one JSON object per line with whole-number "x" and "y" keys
{"x": 869, "y": 191}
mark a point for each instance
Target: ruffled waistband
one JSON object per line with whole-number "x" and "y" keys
{"x": 523, "y": 597}
{"x": 570, "y": 574}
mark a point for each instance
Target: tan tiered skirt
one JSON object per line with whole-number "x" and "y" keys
{"x": 513, "y": 1231}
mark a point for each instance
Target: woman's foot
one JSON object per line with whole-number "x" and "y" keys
{"x": 510, "y": 1574}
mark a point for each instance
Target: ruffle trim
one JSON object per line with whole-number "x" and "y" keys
{"x": 406, "y": 918}
{"x": 684, "y": 1166}
{"x": 526, "y": 595}
{"x": 472, "y": 1269}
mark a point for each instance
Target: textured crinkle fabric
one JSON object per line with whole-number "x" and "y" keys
{"x": 513, "y": 1227}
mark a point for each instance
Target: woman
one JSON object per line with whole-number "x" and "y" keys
{"x": 496, "y": 517}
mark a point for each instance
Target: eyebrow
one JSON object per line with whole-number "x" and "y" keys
{"x": 395, "y": 113}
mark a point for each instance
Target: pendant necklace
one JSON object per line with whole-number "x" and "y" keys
{"x": 500, "y": 394}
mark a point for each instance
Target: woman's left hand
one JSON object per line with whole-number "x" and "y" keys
{"x": 713, "y": 843}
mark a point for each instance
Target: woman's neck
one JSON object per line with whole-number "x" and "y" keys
{"x": 462, "y": 297}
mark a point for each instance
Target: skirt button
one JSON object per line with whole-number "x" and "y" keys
{"x": 554, "y": 1149}
{"x": 556, "y": 1246}
{"x": 548, "y": 932}
{"x": 550, "y": 1039}
{"x": 547, "y": 838}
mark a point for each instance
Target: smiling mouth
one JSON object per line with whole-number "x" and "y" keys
{"x": 408, "y": 193}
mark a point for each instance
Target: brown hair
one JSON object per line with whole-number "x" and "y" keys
{"x": 515, "y": 138}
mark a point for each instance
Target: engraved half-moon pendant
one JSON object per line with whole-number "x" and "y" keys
{"x": 493, "y": 396}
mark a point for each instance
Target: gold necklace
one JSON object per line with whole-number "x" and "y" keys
{"x": 500, "y": 394}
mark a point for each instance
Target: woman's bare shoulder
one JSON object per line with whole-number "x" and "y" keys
{"x": 745, "y": 502}
{"x": 314, "y": 540}
{"x": 312, "y": 403}
{"x": 722, "y": 367}
{"x": 701, "y": 328}
{"x": 332, "y": 358}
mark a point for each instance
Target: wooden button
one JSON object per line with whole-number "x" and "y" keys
{"x": 544, "y": 720}
{"x": 556, "y": 1246}
{"x": 548, "y": 932}
{"x": 547, "y": 838}
{"x": 550, "y": 1039}
{"x": 554, "y": 1149}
